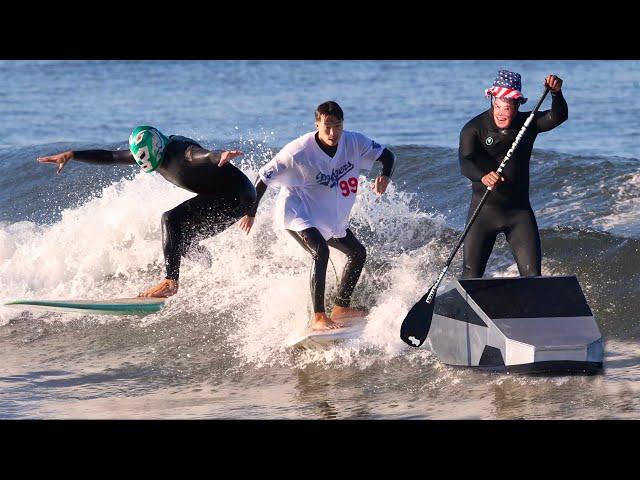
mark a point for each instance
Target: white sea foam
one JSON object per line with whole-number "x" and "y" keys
{"x": 625, "y": 215}
{"x": 110, "y": 247}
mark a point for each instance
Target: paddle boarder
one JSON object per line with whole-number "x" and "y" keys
{"x": 484, "y": 141}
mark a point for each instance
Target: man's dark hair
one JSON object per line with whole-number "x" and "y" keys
{"x": 329, "y": 108}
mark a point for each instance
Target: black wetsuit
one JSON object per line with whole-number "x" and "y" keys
{"x": 482, "y": 148}
{"x": 313, "y": 242}
{"x": 224, "y": 194}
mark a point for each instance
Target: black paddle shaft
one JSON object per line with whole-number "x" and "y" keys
{"x": 416, "y": 324}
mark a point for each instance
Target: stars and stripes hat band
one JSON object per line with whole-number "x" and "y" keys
{"x": 506, "y": 85}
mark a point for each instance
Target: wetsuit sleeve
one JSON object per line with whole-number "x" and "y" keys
{"x": 470, "y": 156}
{"x": 369, "y": 151}
{"x": 197, "y": 155}
{"x": 387, "y": 159}
{"x": 281, "y": 171}
{"x": 261, "y": 187}
{"x": 105, "y": 157}
{"x": 550, "y": 119}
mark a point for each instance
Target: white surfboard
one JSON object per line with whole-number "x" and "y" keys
{"x": 117, "y": 306}
{"x": 353, "y": 328}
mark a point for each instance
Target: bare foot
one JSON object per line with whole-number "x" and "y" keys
{"x": 322, "y": 322}
{"x": 165, "y": 288}
{"x": 346, "y": 312}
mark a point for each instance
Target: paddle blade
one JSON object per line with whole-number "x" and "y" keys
{"x": 415, "y": 326}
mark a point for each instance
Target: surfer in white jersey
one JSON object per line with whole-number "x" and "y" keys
{"x": 318, "y": 178}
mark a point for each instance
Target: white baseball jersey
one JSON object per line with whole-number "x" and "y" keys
{"x": 317, "y": 190}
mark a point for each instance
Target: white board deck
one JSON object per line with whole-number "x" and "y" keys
{"x": 326, "y": 338}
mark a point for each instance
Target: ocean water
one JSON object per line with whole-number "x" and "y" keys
{"x": 217, "y": 349}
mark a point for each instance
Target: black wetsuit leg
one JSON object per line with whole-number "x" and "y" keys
{"x": 314, "y": 243}
{"x": 524, "y": 238}
{"x": 356, "y": 256}
{"x": 195, "y": 219}
{"x": 479, "y": 242}
{"x": 521, "y": 231}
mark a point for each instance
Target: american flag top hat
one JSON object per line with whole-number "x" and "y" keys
{"x": 506, "y": 85}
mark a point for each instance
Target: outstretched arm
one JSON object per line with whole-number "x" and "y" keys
{"x": 279, "y": 170}
{"x": 217, "y": 157}
{"x": 99, "y": 157}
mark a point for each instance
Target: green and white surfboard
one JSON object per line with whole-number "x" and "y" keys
{"x": 118, "y": 306}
